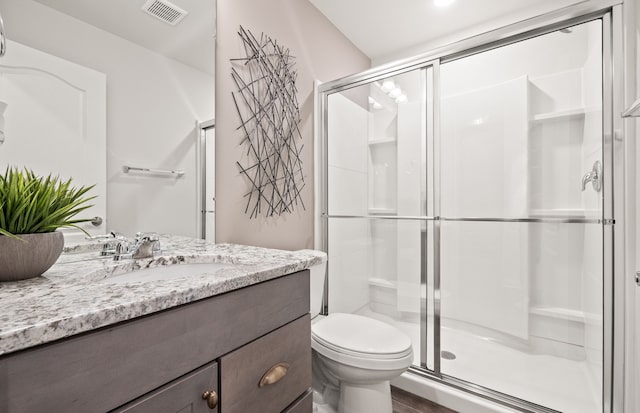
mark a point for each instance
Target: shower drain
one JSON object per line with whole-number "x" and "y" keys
{"x": 447, "y": 355}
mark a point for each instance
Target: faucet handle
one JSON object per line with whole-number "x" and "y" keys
{"x": 152, "y": 237}
{"x": 122, "y": 247}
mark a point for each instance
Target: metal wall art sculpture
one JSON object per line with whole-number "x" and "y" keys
{"x": 267, "y": 106}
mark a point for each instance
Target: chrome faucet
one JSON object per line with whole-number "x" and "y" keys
{"x": 114, "y": 243}
{"x": 146, "y": 244}
{"x": 120, "y": 247}
{"x": 595, "y": 177}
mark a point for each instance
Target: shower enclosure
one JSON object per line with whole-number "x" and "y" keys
{"x": 467, "y": 198}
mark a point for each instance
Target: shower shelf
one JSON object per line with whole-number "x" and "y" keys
{"x": 557, "y": 115}
{"x": 377, "y": 141}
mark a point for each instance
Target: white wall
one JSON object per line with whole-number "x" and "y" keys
{"x": 410, "y": 188}
{"x": 350, "y": 262}
{"x": 397, "y": 187}
{"x": 534, "y": 168}
{"x": 153, "y": 104}
{"x": 376, "y": 160}
{"x": 592, "y": 285}
{"x": 484, "y": 174}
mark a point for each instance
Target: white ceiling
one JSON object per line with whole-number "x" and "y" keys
{"x": 191, "y": 41}
{"x": 381, "y": 28}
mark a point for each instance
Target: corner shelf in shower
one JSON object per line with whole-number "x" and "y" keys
{"x": 378, "y": 141}
{"x": 558, "y": 115}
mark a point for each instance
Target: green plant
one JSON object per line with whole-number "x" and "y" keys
{"x": 33, "y": 204}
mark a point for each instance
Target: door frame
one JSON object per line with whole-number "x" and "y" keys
{"x": 201, "y": 179}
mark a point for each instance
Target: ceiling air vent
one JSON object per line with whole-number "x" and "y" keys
{"x": 165, "y": 11}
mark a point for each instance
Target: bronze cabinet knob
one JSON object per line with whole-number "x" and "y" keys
{"x": 212, "y": 398}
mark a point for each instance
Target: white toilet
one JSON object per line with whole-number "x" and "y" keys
{"x": 354, "y": 357}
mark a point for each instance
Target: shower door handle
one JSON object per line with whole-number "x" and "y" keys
{"x": 594, "y": 176}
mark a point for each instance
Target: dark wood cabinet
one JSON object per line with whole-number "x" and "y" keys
{"x": 304, "y": 404}
{"x": 180, "y": 353}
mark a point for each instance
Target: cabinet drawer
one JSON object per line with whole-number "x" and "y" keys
{"x": 179, "y": 396}
{"x": 242, "y": 371}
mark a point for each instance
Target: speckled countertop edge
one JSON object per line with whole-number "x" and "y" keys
{"x": 73, "y": 297}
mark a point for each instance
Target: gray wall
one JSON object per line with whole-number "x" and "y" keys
{"x": 322, "y": 53}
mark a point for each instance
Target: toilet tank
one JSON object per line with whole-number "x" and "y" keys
{"x": 318, "y": 274}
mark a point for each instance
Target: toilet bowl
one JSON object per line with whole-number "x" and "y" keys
{"x": 354, "y": 358}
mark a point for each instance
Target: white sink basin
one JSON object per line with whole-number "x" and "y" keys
{"x": 168, "y": 272}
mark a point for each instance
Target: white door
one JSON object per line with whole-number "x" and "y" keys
{"x": 55, "y": 123}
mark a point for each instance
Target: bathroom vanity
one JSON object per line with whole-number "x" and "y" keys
{"x": 232, "y": 340}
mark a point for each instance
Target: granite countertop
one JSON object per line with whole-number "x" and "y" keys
{"x": 72, "y": 296}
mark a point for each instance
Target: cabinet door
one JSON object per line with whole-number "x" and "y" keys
{"x": 183, "y": 395}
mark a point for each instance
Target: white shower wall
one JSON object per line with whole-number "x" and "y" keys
{"x": 376, "y": 164}
{"x": 592, "y": 286}
{"x": 557, "y": 289}
{"x": 350, "y": 242}
{"x": 484, "y": 174}
{"x": 410, "y": 194}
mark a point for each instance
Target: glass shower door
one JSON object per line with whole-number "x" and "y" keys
{"x": 377, "y": 228}
{"x": 521, "y": 228}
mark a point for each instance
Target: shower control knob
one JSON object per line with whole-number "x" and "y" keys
{"x": 638, "y": 278}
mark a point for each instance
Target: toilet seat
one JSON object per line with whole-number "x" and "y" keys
{"x": 361, "y": 342}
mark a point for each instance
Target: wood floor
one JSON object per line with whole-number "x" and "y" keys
{"x": 405, "y": 402}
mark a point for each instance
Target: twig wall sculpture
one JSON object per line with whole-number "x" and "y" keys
{"x": 267, "y": 105}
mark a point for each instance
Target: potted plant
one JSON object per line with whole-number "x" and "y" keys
{"x": 32, "y": 208}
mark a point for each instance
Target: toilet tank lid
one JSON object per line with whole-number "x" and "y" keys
{"x": 360, "y": 334}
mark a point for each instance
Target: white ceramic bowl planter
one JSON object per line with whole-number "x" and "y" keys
{"x": 32, "y": 208}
